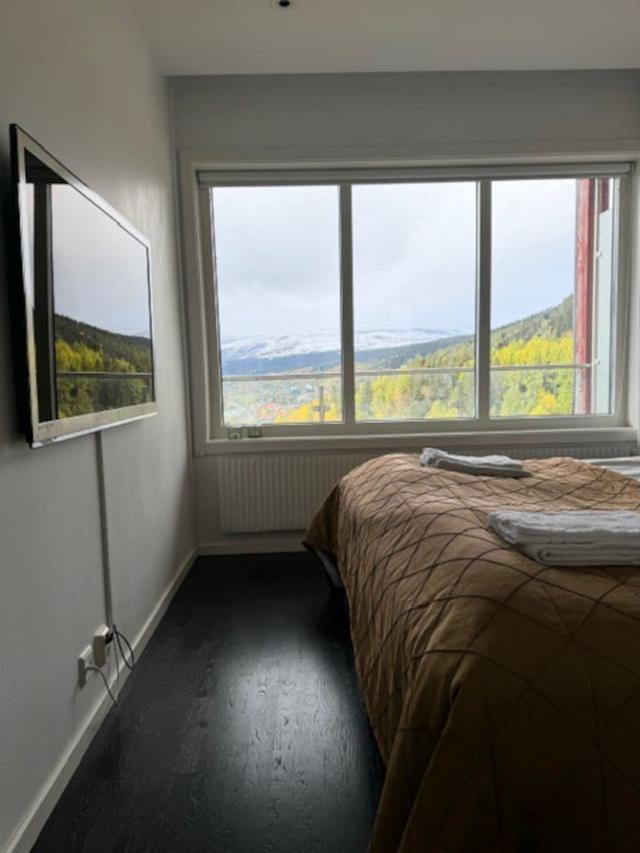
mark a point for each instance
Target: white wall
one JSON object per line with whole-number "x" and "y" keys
{"x": 77, "y": 76}
{"x": 423, "y": 114}
{"x": 459, "y": 115}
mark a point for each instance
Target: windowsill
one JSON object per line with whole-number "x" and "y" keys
{"x": 570, "y": 437}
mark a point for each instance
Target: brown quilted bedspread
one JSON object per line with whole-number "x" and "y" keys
{"x": 504, "y": 695}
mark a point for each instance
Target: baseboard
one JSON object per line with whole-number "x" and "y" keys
{"x": 27, "y": 833}
{"x": 254, "y": 543}
{"x": 146, "y": 632}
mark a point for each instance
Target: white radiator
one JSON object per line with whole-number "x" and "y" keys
{"x": 281, "y": 492}
{"x": 278, "y": 492}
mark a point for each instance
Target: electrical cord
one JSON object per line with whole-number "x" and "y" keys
{"x": 95, "y": 668}
{"x": 117, "y": 663}
{"x": 106, "y": 567}
{"x": 119, "y": 638}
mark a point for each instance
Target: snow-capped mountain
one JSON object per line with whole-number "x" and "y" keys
{"x": 296, "y": 345}
{"x": 321, "y": 351}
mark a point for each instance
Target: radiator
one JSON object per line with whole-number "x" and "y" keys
{"x": 280, "y": 492}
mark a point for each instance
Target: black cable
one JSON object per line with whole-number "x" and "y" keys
{"x": 119, "y": 638}
{"x": 91, "y": 667}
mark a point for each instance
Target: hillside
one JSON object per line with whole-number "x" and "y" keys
{"x": 545, "y": 337}
{"x": 550, "y": 324}
{"x": 135, "y": 350}
{"x": 81, "y": 347}
{"x": 319, "y": 353}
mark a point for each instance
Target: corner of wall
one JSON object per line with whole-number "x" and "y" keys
{"x": 633, "y": 267}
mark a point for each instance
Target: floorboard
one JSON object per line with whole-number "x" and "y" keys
{"x": 240, "y": 730}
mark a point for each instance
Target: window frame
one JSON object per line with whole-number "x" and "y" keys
{"x": 211, "y": 434}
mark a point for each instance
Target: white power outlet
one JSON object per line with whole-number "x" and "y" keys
{"x": 101, "y": 640}
{"x": 94, "y": 655}
{"x": 85, "y": 659}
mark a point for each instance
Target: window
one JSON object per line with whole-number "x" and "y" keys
{"x": 277, "y": 255}
{"x": 401, "y": 304}
{"x": 552, "y": 297}
{"x": 414, "y": 284}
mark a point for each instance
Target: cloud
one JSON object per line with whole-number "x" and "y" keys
{"x": 100, "y": 271}
{"x": 277, "y": 239}
{"x": 414, "y": 255}
{"x": 534, "y": 236}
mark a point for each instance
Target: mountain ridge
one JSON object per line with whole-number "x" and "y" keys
{"x": 558, "y": 318}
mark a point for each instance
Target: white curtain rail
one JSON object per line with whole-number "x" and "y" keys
{"x": 260, "y": 174}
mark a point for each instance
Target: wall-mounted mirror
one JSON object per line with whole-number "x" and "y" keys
{"x": 86, "y": 286}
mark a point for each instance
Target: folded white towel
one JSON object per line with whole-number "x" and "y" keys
{"x": 572, "y": 555}
{"x": 489, "y": 466}
{"x": 589, "y": 527}
{"x": 572, "y": 537}
{"x": 628, "y": 466}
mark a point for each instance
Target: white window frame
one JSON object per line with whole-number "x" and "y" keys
{"x": 210, "y": 436}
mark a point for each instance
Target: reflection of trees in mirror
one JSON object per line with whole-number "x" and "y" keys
{"x": 84, "y": 396}
{"x": 85, "y": 350}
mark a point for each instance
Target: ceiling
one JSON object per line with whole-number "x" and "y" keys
{"x": 323, "y": 36}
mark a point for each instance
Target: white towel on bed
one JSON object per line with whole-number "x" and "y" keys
{"x": 574, "y": 556}
{"x": 488, "y": 466}
{"x": 572, "y": 538}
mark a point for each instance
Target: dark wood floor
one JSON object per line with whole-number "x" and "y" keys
{"x": 241, "y": 729}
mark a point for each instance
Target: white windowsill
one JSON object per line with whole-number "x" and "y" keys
{"x": 412, "y": 441}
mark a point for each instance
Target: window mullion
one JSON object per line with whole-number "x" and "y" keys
{"x": 346, "y": 306}
{"x": 483, "y": 303}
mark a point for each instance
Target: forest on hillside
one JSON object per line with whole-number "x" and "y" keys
{"x": 83, "y": 348}
{"x": 542, "y": 338}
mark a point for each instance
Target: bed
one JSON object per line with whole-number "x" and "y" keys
{"x": 504, "y": 695}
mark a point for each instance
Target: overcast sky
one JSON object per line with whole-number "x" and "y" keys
{"x": 534, "y": 236}
{"x": 414, "y": 255}
{"x": 278, "y": 261}
{"x": 100, "y": 271}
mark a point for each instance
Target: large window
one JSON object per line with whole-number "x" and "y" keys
{"x": 277, "y": 253}
{"x": 414, "y": 284}
{"x": 552, "y": 296}
{"x": 372, "y": 305}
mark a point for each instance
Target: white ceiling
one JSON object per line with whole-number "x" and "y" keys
{"x": 315, "y": 36}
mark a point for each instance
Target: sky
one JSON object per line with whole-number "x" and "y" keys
{"x": 277, "y": 260}
{"x": 277, "y": 255}
{"x": 100, "y": 271}
{"x": 414, "y": 252}
{"x": 533, "y": 246}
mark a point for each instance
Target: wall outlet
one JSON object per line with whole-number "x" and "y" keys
{"x": 101, "y": 640}
{"x": 94, "y": 655}
{"x": 85, "y": 659}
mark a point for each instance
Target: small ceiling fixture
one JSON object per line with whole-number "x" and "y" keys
{"x": 282, "y": 4}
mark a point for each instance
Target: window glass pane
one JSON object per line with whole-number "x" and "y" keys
{"x": 277, "y": 253}
{"x": 414, "y": 256}
{"x": 552, "y": 297}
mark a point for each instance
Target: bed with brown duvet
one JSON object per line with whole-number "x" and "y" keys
{"x": 504, "y": 695}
